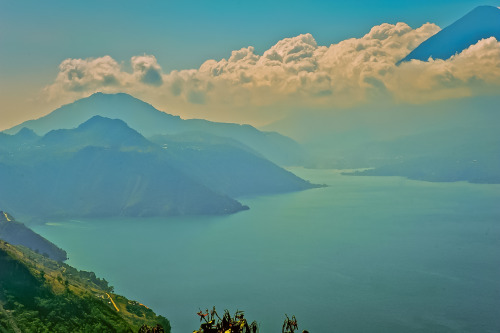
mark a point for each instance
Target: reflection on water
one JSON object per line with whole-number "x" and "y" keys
{"x": 366, "y": 254}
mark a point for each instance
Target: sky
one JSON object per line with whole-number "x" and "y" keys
{"x": 167, "y": 37}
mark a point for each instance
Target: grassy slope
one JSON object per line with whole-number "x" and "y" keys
{"x": 17, "y": 233}
{"x": 42, "y": 294}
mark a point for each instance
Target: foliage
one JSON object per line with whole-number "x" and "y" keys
{"x": 40, "y": 295}
{"x": 212, "y": 323}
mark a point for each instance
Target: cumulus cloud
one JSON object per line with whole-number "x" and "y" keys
{"x": 76, "y": 75}
{"x": 295, "y": 72}
{"x": 475, "y": 70}
{"x": 147, "y": 70}
{"x": 80, "y": 77}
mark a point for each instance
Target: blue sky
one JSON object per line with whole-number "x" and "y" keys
{"x": 36, "y": 36}
{"x": 182, "y": 34}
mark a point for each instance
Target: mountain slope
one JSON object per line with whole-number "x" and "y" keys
{"x": 102, "y": 182}
{"x": 229, "y": 167}
{"x": 149, "y": 121}
{"x": 389, "y": 136}
{"x": 103, "y": 168}
{"x": 433, "y": 158}
{"x": 482, "y": 22}
{"x": 467, "y": 153}
{"x": 20, "y": 140}
{"x": 17, "y": 233}
{"x": 62, "y": 176}
{"x": 97, "y": 131}
{"x": 41, "y": 295}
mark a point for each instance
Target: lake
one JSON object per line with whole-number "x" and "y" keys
{"x": 366, "y": 254}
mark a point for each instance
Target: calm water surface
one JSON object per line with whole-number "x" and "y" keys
{"x": 366, "y": 254}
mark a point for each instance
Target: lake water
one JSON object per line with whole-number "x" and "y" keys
{"x": 366, "y": 254}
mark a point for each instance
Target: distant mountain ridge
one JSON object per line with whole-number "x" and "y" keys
{"x": 103, "y": 168}
{"x": 61, "y": 177}
{"x": 21, "y": 139}
{"x": 453, "y": 140}
{"x": 227, "y": 166}
{"x": 149, "y": 121}
{"x": 440, "y": 157}
{"x": 482, "y": 22}
{"x": 97, "y": 131}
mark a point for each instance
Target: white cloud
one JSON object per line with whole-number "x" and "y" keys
{"x": 295, "y": 72}
{"x": 147, "y": 70}
{"x": 475, "y": 70}
{"x": 79, "y": 77}
{"x": 83, "y": 74}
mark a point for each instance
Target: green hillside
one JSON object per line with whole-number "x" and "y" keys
{"x": 38, "y": 294}
{"x": 17, "y": 233}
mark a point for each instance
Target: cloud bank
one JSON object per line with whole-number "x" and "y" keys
{"x": 294, "y": 73}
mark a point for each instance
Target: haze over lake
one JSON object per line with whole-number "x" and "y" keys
{"x": 378, "y": 254}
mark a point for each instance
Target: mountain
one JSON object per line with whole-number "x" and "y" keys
{"x": 467, "y": 153}
{"x": 450, "y": 139}
{"x": 17, "y": 233}
{"x": 103, "y": 168}
{"x": 97, "y": 131}
{"x": 62, "y": 176}
{"x": 149, "y": 121}
{"x": 441, "y": 157}
{"x": 38, "y": 294}
{"x": 227, "y": 166}
{"x": 475, "y": 167}
{"x": 482, "y": 22}
{"x": 20, "y": 140}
